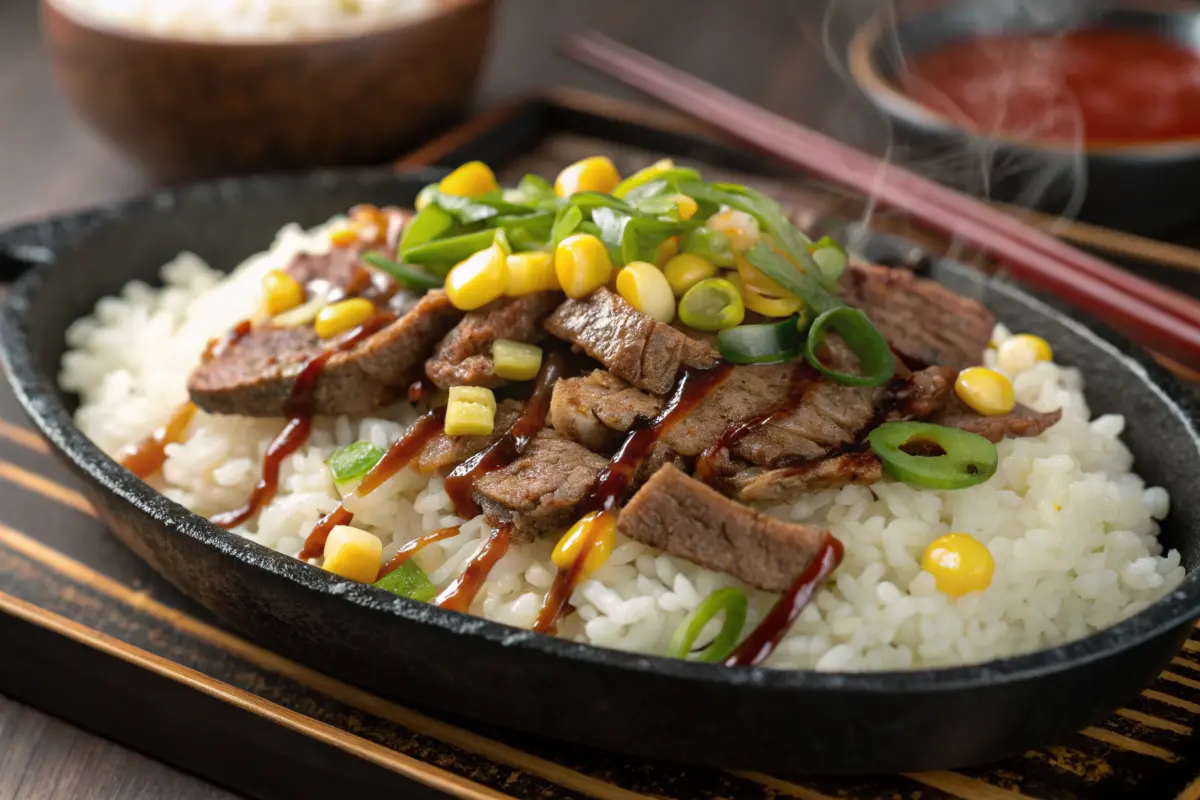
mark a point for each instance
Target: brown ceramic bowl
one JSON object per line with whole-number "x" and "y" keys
{"x": 190, "y": 108}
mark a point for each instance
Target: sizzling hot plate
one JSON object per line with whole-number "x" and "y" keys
{"x": 773, "y": 720}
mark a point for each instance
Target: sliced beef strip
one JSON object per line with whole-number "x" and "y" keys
{"x": 1020, "y": 422}
{"x": 686, "y": 518}
{"x": 540, "y": 492}
{"x": 464, "y": 357}
{"x": 632, "y": 345}
{"x": 923, "y": 321}
{"x": 444, "y": 452}
{"x": 254, "y": 377}
{"x": 755, "y": 484}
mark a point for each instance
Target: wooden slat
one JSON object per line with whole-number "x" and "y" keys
{"x": 45, "y": 487}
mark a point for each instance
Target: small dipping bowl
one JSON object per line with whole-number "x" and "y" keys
{"x": 187, "y": 108}
{"x": 1147, "y": 187}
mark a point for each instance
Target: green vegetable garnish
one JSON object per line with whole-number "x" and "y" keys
{"x": 429, "y": 223}
{"x": 933, "y": 456}
{"x": 868, "y": 345}
{"x": 409, "y": 276}
{"x": 830, "y": 257}
{"x": 709, "y": 244}
{"x": 734, "y": 603}
{"x": 798, "y": 282}
{"x": 713, "y": 304}
{"x": 353, "y": 461}
{"x": 408, "y": 580}
{"x": 649, "y": 182}
{"x": 762, "y": 344}
{"x": 532, "y": 190}
{"x": 451, "y": 250}
{"x": 567, "y": 221}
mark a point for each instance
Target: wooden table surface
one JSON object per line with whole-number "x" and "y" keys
{"x": 50, "y": 162}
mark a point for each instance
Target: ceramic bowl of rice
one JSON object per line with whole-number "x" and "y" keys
{"x": 1092, "y": 526}
{"x": 192, "y": 88}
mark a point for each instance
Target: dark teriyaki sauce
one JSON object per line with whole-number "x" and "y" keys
{"x": 459, "y": 595}
{"x": 146, "y": 457}
{"x": 410, "y": 549}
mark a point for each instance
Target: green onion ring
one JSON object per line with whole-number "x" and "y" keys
{"x": 734, "y": 603}
{"x": 864, "y": 341}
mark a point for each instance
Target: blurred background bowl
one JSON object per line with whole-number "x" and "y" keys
{"x": 1146, "y": 186}
{"x": 187, "y": 108}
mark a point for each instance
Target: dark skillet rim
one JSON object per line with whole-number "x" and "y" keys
{"x": 37, "y": 395}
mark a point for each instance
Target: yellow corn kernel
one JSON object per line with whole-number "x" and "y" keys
{"x": 470, "y": 412}
{"x": 595, "y": 174}
{"x": 601, "y": 528}
{"x": 959, "y": 563}
{"x": 645, "y": 288}
{"x": 643, "y": 176}
{"x": 529, "y": 273}
{"x": 470, "y": 180}
{"x": 337, "y": 318}
{"x": 686, "y": 270}
{"x": 686, "y": 205}
{"x": 985, "y": 390}
{"x": 582, "y": 265}
{"x": 353, "y": 553}
{"x": 666, "y": 251}
{"x": 478, "y": 279}
{"x": 765, "y": 304}
{"x": 1019, "y": 353}
{"x": 755, "y": 279}
{"x": 740, "y": 227}
{"x": 343, "y": 237}
{"x": 516, "y": 361}
{"x": 281, "y": 292}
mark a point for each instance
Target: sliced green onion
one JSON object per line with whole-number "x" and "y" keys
{"x": 477, "y": 209}
{"x": 650, "y": 181}
{"x": 409, "y": 276}
{"x": 408, "y": 580}
{"x": 734, "y": 603}
{"x": 502, "y": 240}
{"x": 532, "y": 189}
{"x": 790, "y": 277}
{"x": 426, "y": 196}
{"x": 958, "y": 459}
{"x": 709, "y": 244}
{"x": 353, "y": 461}
{"x": 565, "y": 224}
{"x": 868, "y": 345}
{"x": 450, "y": 250}
{"x": 713, "y": 304}
{"x": 830, "y": 257}
{"x": 429, "y": 223}
{"x": 586, "y": 201}
{"x": 762, "y": 344}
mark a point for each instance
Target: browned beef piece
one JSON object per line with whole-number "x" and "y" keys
{"x": 684, "y": 517}
{"x": 464, "y": 357}
{"x": 444, "y": 452}
{"x": 255, "y": 376}
{"x": 775, "y": 485}
{"x": 338, "y": 269}
{"x": 540, "y": 492}
{"x": 633, "y": 346}
{"x": 1020, "y": 422}
{"x": 923, "y": 321}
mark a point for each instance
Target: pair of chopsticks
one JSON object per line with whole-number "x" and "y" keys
{"x": 1157, "y": 317}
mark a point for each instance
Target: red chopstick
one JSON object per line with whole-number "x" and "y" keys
{"x": 1158, "y": 317}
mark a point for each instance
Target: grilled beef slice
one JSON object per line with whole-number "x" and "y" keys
{"x": 686, "y": 518}
{"x": 464, "y": 357}
{"x": 1022, "y": 421}
{"x": 923, "y": 321}
{"x": 254, "y": 377}
{"x": 632, "y": 345}
{"x": 444, "y": 452}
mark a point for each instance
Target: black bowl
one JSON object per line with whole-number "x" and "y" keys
{"x": 1146, "y": 187}
{"x": 764, "y": 719}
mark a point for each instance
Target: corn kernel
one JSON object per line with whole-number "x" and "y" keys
{"x": 478, "y": 279}
{"x": 645, "y": 288}
{"x": 529, "y": 273}
{"x": 582, "y": 265}
{"x": 470, "y": 180}
{"x": 756, "y": 279}
{"x": 666, "y": 251}
{"x": 343, "y": 237}
{"x": 281, "y": 292}
{"x": 595, "y": 174}
{"x": 642, "y": 176}
{"x": 765, "y": 304}
{"x": 601, "y": 528}
{"x": 470, "y": 412}
{"x": 985, "y": 390}
{"x": 347, "y": 315}
{"x": 353, "y": 553}
{"x": 686, "y": 205}
{"x": 516, "y": 361}
{"x": 1019, "y": 353}
{"x": 686, "y": 270}
{"x": 740, "y": 227}
{"x": 959, "y": 563}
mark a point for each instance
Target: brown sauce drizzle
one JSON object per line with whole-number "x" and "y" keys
{"x": 614, "y": 480}
{"x": 410, "y": 549}
{"x": 763, "y": 640}
{"x": 299, "y": 409}
{"x": 460, "y": 483}
{"x": 220, "y": 346}
{"x": 146, "y": 457}
{"x": 803, "y": 378}
{"x": 459, "y": 595}
{"x": 398, "y": 456}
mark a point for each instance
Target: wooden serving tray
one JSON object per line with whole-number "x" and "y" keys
{"x": 90, "y": 633}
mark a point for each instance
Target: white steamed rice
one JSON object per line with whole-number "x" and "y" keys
{"x": 1071, "y": 528}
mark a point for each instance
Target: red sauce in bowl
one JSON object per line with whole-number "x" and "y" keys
{"x": 1109, "y": 85}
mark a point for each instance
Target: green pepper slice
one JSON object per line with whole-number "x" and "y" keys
{"x": 958, "y": 460}
{"x": 710, "y": 244}
{"x": 408, "y": 580}
{"x": 353, "y": 460}
{"x": 450, "y": 250}
{"x": 713, "y": 304}
{"x": 734, "y": 603}
{"x": 874, "y": 355}
{"x": 408, "y": 276}
{"x": 763, "y": 344}
{"x": 830, "y": 257}
{"x": 429, "y": 223}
